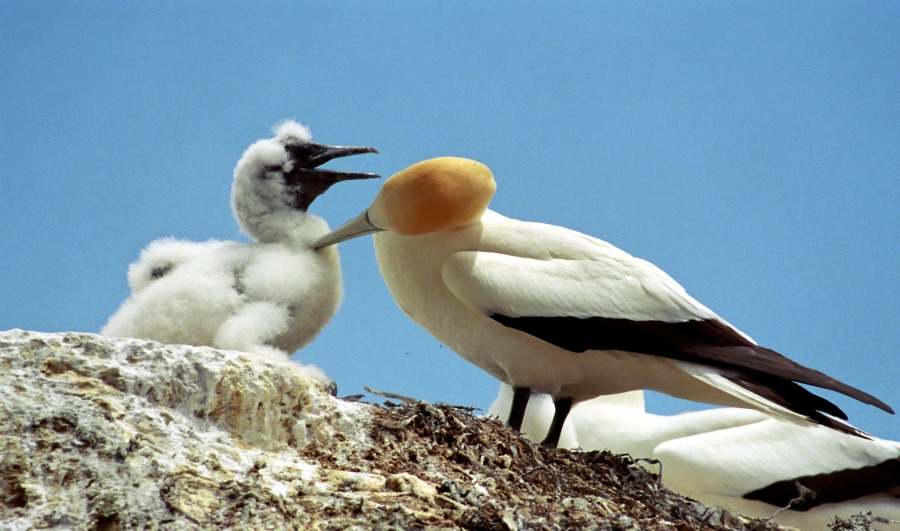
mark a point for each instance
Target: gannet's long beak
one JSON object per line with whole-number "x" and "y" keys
{"x": 358, "y": 226}
{"x": 310, "y": 180}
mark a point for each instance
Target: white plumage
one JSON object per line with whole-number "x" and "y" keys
{"x": 721, "y": 456}
{"x": 269, "y": 297}
{"x": 550, "y": 310}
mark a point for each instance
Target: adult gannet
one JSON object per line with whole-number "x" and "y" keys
{"x": 270, "y": 297}
{"x": 737, "y": 458}
{"x": 547, "y": 309}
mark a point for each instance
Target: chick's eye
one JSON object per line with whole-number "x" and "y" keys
{"x": 301, "y": 151}
{"x": 272, "y": 171}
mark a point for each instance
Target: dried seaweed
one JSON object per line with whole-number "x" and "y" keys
{"x": 490, "y": 477}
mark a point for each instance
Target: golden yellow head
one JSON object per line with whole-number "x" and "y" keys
{"x": 433, "y": 195}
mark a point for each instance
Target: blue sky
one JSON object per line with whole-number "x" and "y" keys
{"x": 750, "y": 149}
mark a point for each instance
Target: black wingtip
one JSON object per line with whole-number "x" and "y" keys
{"x": 794, "y": 397}
{"x": 806, "y": 492}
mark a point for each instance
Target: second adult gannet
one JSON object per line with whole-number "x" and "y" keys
{"x": 737, "y": 458}
{"x": 268, "y": 298}
{"x": 550, "y": 310}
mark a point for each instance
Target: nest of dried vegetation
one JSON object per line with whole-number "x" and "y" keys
{"x": 490, "y": 477}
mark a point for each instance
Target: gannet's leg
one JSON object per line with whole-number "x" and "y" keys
{"x": 517, "y": 410}
{"x": 563, "y": 406}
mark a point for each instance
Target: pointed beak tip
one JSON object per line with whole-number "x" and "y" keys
{"x": 349, "y": 176}
{"x": 356, "y": 150}
{"x": 348, "y": 151}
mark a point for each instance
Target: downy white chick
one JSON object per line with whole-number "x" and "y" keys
{"x": 268, "y": 298}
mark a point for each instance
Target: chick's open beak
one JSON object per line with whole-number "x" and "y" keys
{"x": 358, "y": 226}
{"x": 311, "y": 181}
{"x": 313, "y": 155}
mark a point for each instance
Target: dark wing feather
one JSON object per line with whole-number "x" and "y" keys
{"x": 708, "y": 342}
{"x": 833, "y": 487}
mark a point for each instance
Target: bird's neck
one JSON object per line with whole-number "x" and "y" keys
{"x": 291, "y": 227}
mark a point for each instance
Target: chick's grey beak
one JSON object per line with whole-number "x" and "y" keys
{"x": 358, "y": 226}
{"x": 309, "y": 179}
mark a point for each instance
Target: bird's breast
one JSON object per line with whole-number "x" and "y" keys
{"x": 412, "y": 270}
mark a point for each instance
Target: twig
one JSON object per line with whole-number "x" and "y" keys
{"x": 395, "y": 396}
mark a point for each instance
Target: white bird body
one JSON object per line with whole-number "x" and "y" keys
{"x": 766, "y": 459}
{"x": 547, "y": 309}
{"x": 619, "y": 423}
{"x": 231, "y": 295}
{"x": 719, "y": 456}
{"x": 269, "y": 297}
{"x": 449, "y": 282}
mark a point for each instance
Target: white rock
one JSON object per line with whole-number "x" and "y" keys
{"x": 97, "y": 431}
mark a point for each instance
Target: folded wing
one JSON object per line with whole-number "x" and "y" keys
{"x": 582, "y": 294}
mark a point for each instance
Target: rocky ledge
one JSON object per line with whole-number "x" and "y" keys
{"x": 101, "y": 433}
